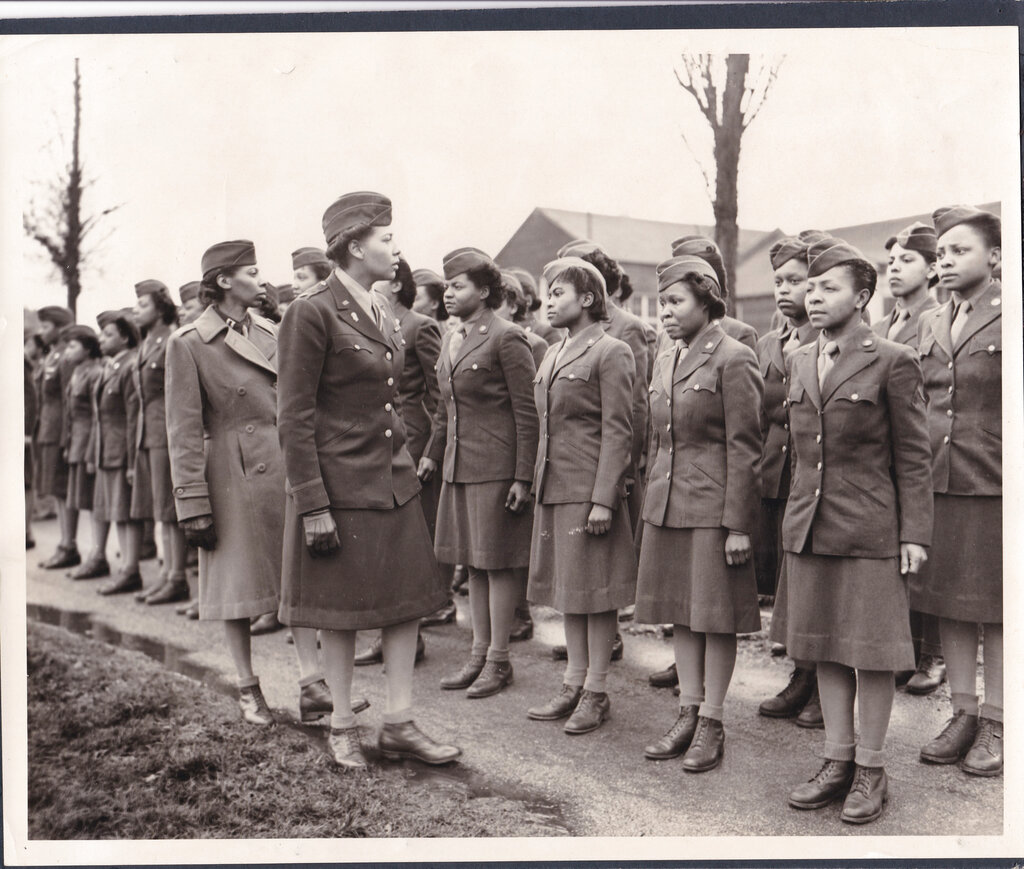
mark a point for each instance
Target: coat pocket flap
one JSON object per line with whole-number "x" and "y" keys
{"x": 982, "y": 343}
{"x": 347, "y": 341}
{"x": 576, "y": 371}
{"x": 856, "y": 392}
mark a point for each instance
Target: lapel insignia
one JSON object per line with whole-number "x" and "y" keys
{"x": 867, "y": 342}
{"x": 709, "y": 345}
{"x": 355, "y": 317}
{"x": 483, "y": 330}
{"x": 996, "y": 302}
{"x": 160, "y": 340}
{"x": 344, "y": 303}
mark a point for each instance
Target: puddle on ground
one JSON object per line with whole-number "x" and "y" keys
{"x": 457, "y": 778}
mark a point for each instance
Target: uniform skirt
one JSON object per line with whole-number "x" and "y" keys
{"x": 963, "y": 577}
{"x": 81, "y": 487}
{"x": 682, "y": 579}
{"x": 152, "y": 496}
{"x": 383, "y": 574}
{"x": 51, "y": 471}
{"x": 851, "y": 611}
{"x": 768, "y": 544}
{"x": 112, "y": 496}
{"x": 576, "y": 572}
{"x": 475, "y": 529}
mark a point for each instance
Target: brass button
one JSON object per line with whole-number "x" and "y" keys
{"x": 785, "y": 425}
{"x": 355, "y": 346}
{"x": 696, "y": 387}
{"x": 388, "y": 355}
{"x": 784, "y": 448}
{"x": 475, "y": 366}
{"x": 949, "y": 365}
{"x": 855, "y": 396}
{"x": 949, "y": 413}
{"x": 817, "y": 439}
{"x": 387, "y": 433}
{"x": 250, "y": 428}
{"x": 817, "y": 493}
{"x": 261, "y": 467}
{"x": 571, "y": 376}
{"x": 819, "y": 466}
{"x": 945, "y": 440}
{"x": 391, "y": 381}
{"x": 241, "y": 390}
{"x": 387, "y": 407}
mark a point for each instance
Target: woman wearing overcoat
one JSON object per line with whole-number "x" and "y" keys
{"x": 699, "y": 510}
{"x": 857, "y": 522}
{"x": 485, "y": 432}
{"x": 582, "y": 559}
{"x": 357, "y": 551}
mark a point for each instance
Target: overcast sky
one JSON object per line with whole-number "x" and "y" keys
{"x": 201, "y": 138}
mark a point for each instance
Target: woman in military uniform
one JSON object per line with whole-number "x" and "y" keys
{"x": 309, "y": 266}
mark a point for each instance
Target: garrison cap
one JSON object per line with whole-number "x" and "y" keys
{"x": 512, "y": 284}
{"x": 953, "y": 215}
{"x": 676, "y": 268}
{"x": 526, "y": 279}
{"x": 427, "y": 277}
{"x": 189, "y": 291}
{"x": 286, "y": 293}
{"x": 463, "y": 259}
{"x": 55, "y": 314}
{"x": 228, "y": 255}
{"x": 811, "y": 236}
{"x": 578, "y": 248}
{"x": 307, "y": 256}
{"x": 559, "y": 266}
{"x": 354, "y": 210}
{"x": 786, "y": 249}
{"x": 150, "y": 287}
{"x": 123, "y": 317}
{"x": 703, "y": 247}
{"x": 78, "y": 332}
{"x": 830, "y": 252}
{"x": 918, "y": 236}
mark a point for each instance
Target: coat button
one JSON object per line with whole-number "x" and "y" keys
{"x": 991, "y": 348}
{"x": 817, "y": 439}
{"x": 784, "y": 448}
{"x": 388, "y": 355}
{"x": 854, "y": 397}
{"x": 180, "y": 491}
{"x": 241, "y": 390}
{"x": 785, "y": 402}
{"x": 571, "y": 376}
{"x": 819, "y": 466}
{"x": 668, "y": 427}
{"x": 152, "y": 365}
{"x": 949, "y": 413}
{"x": 949, "y": 364}
{"x": 945, "y": 440}
{"x": 785, "y": 380}
{"x": 250, "y": 428}
{"x": 387, "y": 407}
{"x": 817, "y": 493}
{"x": 785, "y": 425}
{"x": 950, "y": 390}
{"x": 387, "y": 433}
{"x": 668, "y": 476}
{"x": 391, "y": 381}
{"x": 260, "y": 468}
{"x": 696, "y": 387}
{"x": 475, "y": 366}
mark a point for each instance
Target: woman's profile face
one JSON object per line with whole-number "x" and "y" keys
{"x": 964, "y": 259}
{"x": 424, "y": 302}
{"x": 565, "y": 307}
{"x": 304, "y": 278}
{"x": 244, "y": 286}
{"x": 145, "y": 312}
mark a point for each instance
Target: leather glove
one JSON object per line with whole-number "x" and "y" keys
{"x": 321, "y": 533}
{"x": 199, "y": 531}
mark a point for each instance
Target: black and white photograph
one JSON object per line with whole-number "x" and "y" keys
{"x": 518, "y": 433}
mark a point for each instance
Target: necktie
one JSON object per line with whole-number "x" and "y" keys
{"x": 458, "y": 336}
{"x": 826, "y": 359}
{"x": 960, "y": 315}
{"x": 790, "y": 345}
{"x": 900, "y": 317}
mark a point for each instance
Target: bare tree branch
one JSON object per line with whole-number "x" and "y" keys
{"x": 756, "y": 92}
{"x": 698, "y": 84}
{"x": 708, "y": 183}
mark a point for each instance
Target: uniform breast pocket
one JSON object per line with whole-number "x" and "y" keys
{"x": 991, "y": 344}
{"x": 796, "y": 393}
{"x": 704, "y": 385}
{"x": 342, "y": 342}
{"x": 858, "y": 393}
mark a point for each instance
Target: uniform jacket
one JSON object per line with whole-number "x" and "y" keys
{"x": 79, "y": 423}
{"x": 629, "y": 328}
{"x": 706, "y": 442}
{"x": 116, "y": 409}
{"x": 740, "y": 331}
{"x": 418, "y": 394}
{"x": 344, "y": 441}
{"x": 861, "y": 462}
{"x": 538, "y": 346}
{"x": 51, "y": 378}
{"x": 31, "y": 399}
{"x": 963, "y": 385}
{"x": 775, "y": 454}
{"x": 149, "y": 376}
{"x": 486, "y": 428}
{"x": 908, "y": 331}
{"x": 549, "y": 333}
{"x": 585, "y": 406}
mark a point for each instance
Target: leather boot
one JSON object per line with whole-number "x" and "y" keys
{"x": 65, "y": 556}
{"x": 708, "y": 746}
{"x": 560, "y": 653}
{"x": 443, "y": 616}
{"x": 522, "y": 626}
{"x": 678, "y": 738}
{"x": 493, "y": 678}
{"x": 345, "y": 748}
{"x": 590, "y": 713}
{"x": 265, "y": 624}
{"x": 867, "y": 796}
{"x": 930, "y": 673}
{"x": 666, "y": 678}
{"x": 793, "y": 698}
{"x": 94, "y": 568}
{"x": 466, "y": 676}
{"x": 126, "y": 582}
{"x": 403, "y": 740}
{"x": 315, "y": 702}
{"x": 985, "y": 757}
{"x": 184, "y": 608}
{"x": 810, "y": 716}
{"x": 954, "y": 741}
{"x": 172, "y": 591}
{"x": 833, "y": 780}
{"x": 559, "y": 706}
{"x": 374, "y": 653}
{"x": 254, "y": 708}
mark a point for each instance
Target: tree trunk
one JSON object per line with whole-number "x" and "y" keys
{"x": 727, "y": 162}
{"x": 73, "y": 248}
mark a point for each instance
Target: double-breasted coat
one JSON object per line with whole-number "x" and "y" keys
{"x": 584, "y": 400}
{"x": 221, "y": 413}
{"x": 963, "y": 385}
{"x": 344, "y": 444}
{"x": 152, "y": 497}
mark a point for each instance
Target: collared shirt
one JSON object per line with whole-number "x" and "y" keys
{"x": 239, "y": 326}
{"x": 362, "y": 296}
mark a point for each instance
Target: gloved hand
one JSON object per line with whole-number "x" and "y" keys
{"x": 321, "y": 533}
{"x": 199, "y": 531}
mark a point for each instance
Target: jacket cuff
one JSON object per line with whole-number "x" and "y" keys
{"x": 192, "y": 500}
{"x": 605, "y": 496}
{"x": 309, "y": 496}
{"x": 435, "y": 449}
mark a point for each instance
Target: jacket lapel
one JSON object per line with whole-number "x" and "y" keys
{"x": 247, "y": 349}
{"x": 985, "y": 309}
{"x": 857, "y": 355}
{"x": 699, "y": 353}
{"x": 352, "y": 314}
{"x": 775, "y": 355}
{"x": 939, "y": 321}
{"x": 261, "y": 334}
{"x": 805, "y": 369}
{"x": 475, "y": 336}
{"x": 583, "y": 342}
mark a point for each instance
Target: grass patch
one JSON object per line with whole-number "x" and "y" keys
{"x": 119, "y": 748}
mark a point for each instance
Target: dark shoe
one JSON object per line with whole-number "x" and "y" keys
{"x": 65, "y": 556}
{"x": 777, "y": 650}
{"x": 265, "y": 624}
{"x": 678, "y": 738}
{"x": 94, "y": 568}
{"x": 617, "y": 648}
{"x": 708, "y": 746}
{"x": 833, "y": 780}
{"x": 931, "y": 673}
{"x": 147, "y": 552}
{"x": 793, "y": 698}
{"x": 867, "y": 796}
{"x": 559, "y": 706}
{"x": 902, "y": 677}
{"x": 590, "y": 713}
{"x": 560, "y": 653}
{"x": 443, "y": 616}
{"x": 254, "y": 707}
{"x": 315, "y": 702}
{"x": 289, "y": 638}
{"x": 345, "y": 748}
{"x": 374, "y": 653}
{"x": 184, "y": 608}
{"x": 173, "y": 590}
{"x": 407, "y": 740}
{"x": 149, "y": 591}
{"x": 460, "y": 580}
{"x": 985, "y": 757}
{"x": 626, "y": 613}
{"x": 664, "y": 678}
{"x": 954, "y": 741}
{"x": 192, "y": 613}
{"x": 522, "y": 627}
{"x": 466, "y": 676}
{"x": 126, "y": 582}
{"x": 493, "y": 677}
{"x": 810, "y": 716}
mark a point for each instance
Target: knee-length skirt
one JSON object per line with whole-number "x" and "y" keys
{"x": 384, "y": 573}
{"x": 152, "y": 494}
{"x": 112, "y": 496}
{"x": 475, "y": 529}
{"x": 81, "y": 487}
{"x": 51, "y": 471}
{"x": 851, "y": 611}
{"x": 576, "y": 572}
{"x": 963, "y": 576}
{"x": 683, "y": 579}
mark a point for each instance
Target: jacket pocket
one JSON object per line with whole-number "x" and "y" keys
{"x": 867, "y": 493}
{"x": 576, "y": 371}
{"x": 341, "y": 341}
{"x": 858, "y": 392}
{"x": 344, "y": 430}
{"x": 701, "y": 383}
{"x": 796, "y": 392}
{"x": 990, "y": 344}
{"x": 720, "y": 484}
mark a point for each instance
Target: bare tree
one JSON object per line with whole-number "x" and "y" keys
{"x": 729, "y": 106}
{"x": 56, "y": 221}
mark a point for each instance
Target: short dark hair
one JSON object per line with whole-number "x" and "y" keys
{"x": 320, "y": 270}
{"x": 863, "y": 273}
{"x": 165, "y": 306}
{"x": 625, "y": 287}
{"x": 338, "y": 252}
{"x": 90, "y": 343}
{"x": 406, "y": 284}
{"x": 488, "y": 275}
{"x": 126, "y": 330}
{"x": 515, "y": 295}
{"x": 989, "y": 227}
{"x": 436, "y": 292}
{"x": 706, "y": 292}
{"x": 608, "y": 268}
{"x": 212, "y": 293}
{"x": 584, "y": 282}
